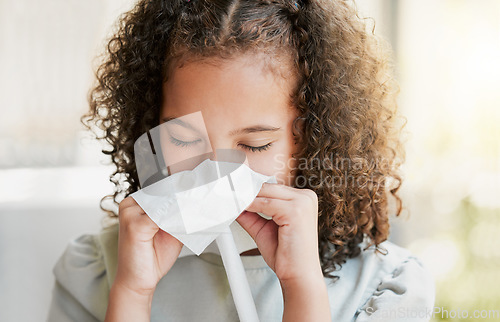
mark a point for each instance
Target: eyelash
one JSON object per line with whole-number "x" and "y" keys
{"x": 183, "y": 143}
{"x": 247, "y": 147}
{"x": 256, "y": 148}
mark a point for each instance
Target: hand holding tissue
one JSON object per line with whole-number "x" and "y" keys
{"x": 196, "y": 200}
{"x": 195, "y": 206}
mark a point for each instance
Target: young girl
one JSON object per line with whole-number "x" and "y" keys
{"x": 306, "y": 93}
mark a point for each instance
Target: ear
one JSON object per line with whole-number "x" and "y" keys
{"x": 301, "y": 124}
{"x": 298, "y": 127}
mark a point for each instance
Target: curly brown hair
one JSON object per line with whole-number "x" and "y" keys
{"x": 345, "y": 93}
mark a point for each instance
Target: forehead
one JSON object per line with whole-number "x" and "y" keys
{"x": 235, "y": 89}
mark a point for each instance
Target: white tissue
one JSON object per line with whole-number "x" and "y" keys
{"x": 196, "y": 206}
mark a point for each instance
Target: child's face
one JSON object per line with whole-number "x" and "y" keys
{"x": 243, "y": 108}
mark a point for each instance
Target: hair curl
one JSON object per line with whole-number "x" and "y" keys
{"x": 345, "y": 94}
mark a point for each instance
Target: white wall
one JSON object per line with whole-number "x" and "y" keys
{"x": 51, "y": 174}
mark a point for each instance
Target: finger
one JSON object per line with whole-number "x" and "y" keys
{"x": 166, "y": 242}
{"x": 252, "y": 223}
{"x": 127, "y": 202}
{"x": 131, "y": 213}
{"x": 276, "y": 190}
{"x": 129, "y": 207}
{"x": 133, "y": 220}
{"x": 270, "y": 207}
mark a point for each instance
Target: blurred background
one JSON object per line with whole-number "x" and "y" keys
{"x": 52, "y": 173}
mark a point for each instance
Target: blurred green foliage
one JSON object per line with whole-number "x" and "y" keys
{"x": 475, "y": 282}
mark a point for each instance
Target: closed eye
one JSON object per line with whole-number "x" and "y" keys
{"x": 256, "y": 148}
{"x": 183, "y": 143}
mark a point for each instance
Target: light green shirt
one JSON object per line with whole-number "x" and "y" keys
{"x": 196, "y": 287}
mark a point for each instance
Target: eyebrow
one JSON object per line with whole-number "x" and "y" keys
{"x": 247, "y": 130}
{"x": 174, "y": 120}
{"x": 255, "y": 129}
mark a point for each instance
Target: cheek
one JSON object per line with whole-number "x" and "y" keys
{"x": 284, "y": 174}
{"x": 277, "y": 162}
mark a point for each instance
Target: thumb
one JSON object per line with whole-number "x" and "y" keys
{"x": 264, "y": 232}
{"x": 167, "y": 244}
{"x": 252, "y": 222}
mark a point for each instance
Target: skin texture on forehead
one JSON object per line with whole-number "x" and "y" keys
{"x": 244, "y": 73}
{"x": 234, "y": 94}
{"x": 275, "y": 62}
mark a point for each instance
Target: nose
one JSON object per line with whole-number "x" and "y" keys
{"x": 213, "y": 155}
{"x": 228, "y": 155}
{"x": 223, "y": 149}
{"x": 220, "y": 147}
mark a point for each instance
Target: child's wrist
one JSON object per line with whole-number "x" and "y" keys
{"x": 126, "y": 304}
{"x": 305, "y": 299}
{"x": 313, "y": 276}
{"x": 303, "y": 283}
{"x": 121, "y": 290}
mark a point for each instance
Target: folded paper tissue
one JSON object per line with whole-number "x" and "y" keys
{"x": 196, "y": 206}
{"x": 199, "y": 206}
